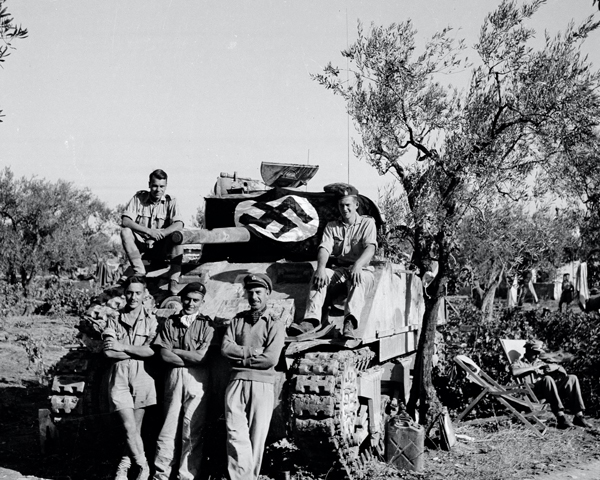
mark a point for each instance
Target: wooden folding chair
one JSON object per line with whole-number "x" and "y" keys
{"x": 505, "y": 395}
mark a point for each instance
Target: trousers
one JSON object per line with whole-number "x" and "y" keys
{"x": 179, "y": 443}
{"x": 160, "y": 250}
{"x": 248, "y": 411}
{"x": 554, "y": 391}
{"x": 355, "y": 299}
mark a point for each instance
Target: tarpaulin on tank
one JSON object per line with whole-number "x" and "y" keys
{"x": 286, "y": 224}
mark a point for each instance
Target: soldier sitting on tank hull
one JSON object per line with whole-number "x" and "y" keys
{"x": 127, "y": 340}
{"x": 149, "y": 219}
{"x": 348, "y": 245}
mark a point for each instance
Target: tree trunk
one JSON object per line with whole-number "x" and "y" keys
{"x": 487, "y": 306}
{"x": 422, "y": 393}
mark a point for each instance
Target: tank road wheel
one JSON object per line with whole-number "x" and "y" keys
{"x": 325, "y": 405}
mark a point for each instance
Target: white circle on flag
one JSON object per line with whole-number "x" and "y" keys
{"x": 286, "y": 219}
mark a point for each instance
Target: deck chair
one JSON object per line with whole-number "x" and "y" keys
{"x": 523, "y": 408}
{"x": 515, "y": 349}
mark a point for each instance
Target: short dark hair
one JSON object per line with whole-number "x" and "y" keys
{"x": 158, "y": 174}
{"x": 134, "y": 279}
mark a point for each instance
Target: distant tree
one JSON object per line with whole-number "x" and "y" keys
{"x": 452, "y": 151}
{"x": 9, "y": 32}
{"x": 198, "y": 219}
{"x": 501, "y": 241}
{"x": 46, "y": 227}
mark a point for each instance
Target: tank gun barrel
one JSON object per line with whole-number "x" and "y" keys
{"x": 216, "y": 235}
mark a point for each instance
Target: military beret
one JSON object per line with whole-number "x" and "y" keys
{"x": 194, "y": 287}
{"x": 341, "y": 189}
{"x": 535, "y": 345}
{"x": 258, "y": 280}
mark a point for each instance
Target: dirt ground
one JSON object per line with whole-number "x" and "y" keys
{"x": 495, "y": 450}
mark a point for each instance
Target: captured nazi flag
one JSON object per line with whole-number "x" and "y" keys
{"x": 285, "y": 223}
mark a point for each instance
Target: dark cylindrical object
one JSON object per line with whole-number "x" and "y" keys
{"x": 216, "y": 235}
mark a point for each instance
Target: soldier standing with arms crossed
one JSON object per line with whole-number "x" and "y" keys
{"x": 127, "y": 340}
{"x": 183, "y": 344}
{"x": 253, "y": 344}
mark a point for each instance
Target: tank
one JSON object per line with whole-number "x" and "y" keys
{"x": 332, "y": 393}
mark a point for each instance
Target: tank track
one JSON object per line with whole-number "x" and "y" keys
{"x": 324, "y": 404}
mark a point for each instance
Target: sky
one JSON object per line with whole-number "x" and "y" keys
{"x": 103, "y": 92}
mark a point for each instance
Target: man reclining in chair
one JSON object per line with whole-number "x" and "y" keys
{"x": 348, "y": 245}
{"x": 551, "y": 382}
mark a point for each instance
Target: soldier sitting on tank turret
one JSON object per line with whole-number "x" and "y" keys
{"x": 131, "y": 389}
{"x": 347, "y": 245}
{"x": 149, "y": 219}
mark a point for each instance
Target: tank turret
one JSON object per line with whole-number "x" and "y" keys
{"x": 331, "y": 391}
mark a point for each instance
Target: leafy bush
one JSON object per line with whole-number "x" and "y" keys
{"x": 571, "y": 332}
{"x": 11, "y": 299}
{"x": 61, "y": 298}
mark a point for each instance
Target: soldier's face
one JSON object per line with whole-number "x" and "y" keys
{"x": 157, "y": 188}
{"x": 257, "y": 297}
{"x": 191, "y": 302}
{"x": 134, "y": 295}
{"x": 348, "y": 207}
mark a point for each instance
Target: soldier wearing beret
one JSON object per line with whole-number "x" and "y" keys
{"x": 347, "y": 246}
{"x": 551, "y": 382}
{"x": 183, "y": 344}
{"x": 253, "y": 344}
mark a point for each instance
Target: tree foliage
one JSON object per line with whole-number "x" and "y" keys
{"x": 47, "y": 227}
{"x": 507, "y": 239}
{"x": 453, "y": 150}
{"x": 9, "y": 31}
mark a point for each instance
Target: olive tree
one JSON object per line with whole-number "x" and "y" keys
{"x": 504, "y": 241}
{"x": 47, "y": 227}
{"x": 452, "y": 150}
{"x": 9, "y": 31}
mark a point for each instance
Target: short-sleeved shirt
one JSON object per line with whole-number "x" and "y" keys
{"x": 157, "y": 215}
{"x": 345, "y": 242}
{"x": 175, "y": 334}
{"x": 130, "y": 384}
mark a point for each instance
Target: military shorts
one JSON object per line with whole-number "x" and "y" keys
{"x": 130, "y": 386}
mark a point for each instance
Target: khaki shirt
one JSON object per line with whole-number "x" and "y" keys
{"x": 161, "y": 214}
{"x": 137, "y": 331}
{"x": 345, "y": 242}
{"x": 176, "y": 334}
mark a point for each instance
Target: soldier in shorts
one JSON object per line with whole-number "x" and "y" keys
{"x": 127, "y": 339}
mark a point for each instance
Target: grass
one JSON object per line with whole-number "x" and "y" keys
{"x": 500, "y": 450}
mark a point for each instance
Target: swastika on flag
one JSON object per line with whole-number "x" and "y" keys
{"x": 286, "y": 219}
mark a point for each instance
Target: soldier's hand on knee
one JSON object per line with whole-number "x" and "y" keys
{"x": 356, "y": 276}
{"x": 156, "y": 234}
{"x": 321, "y": 279}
